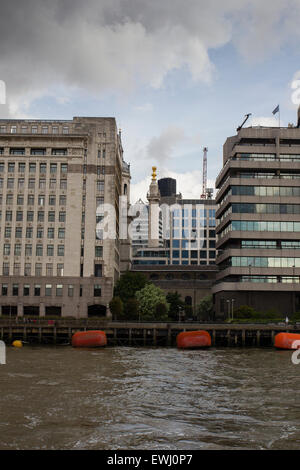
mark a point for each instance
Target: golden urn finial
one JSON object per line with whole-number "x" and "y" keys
{"x": 154, "y": 173}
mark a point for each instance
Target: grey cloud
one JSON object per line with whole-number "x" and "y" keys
{"x": 114, "y": 45}
{"x": 160, "y": 148}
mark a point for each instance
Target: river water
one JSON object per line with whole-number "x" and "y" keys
{"x": 149, "y": 398}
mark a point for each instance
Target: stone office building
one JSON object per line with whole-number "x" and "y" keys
{"x": 258, "y": 230}
{"x": 55, "y": 177}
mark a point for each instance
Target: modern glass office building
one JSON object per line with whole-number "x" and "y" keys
{"x": 258, "y": 221}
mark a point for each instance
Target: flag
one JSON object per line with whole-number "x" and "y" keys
{"x": 276, "y": 110}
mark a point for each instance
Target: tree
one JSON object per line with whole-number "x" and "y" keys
{"x": 206, "y": 308}
{"x": 128, "y": 284}
{"x": 116, "y": 307}
{"x": 175, "y": 302}
{"x": 148, "y": 298}
{"x": 131, "y": 311}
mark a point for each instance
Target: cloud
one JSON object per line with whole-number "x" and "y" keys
{"x": 189, "y": 184}
{"x": 117, "y": 45}
{"x": 160, "y": 149}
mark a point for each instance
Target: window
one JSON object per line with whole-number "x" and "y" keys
{"x": 15, "y": 289}
{"x": 21, "y": 183}
{"x": 7, "y": 232}
{"x": 39, "y": 232}
{"x": 18, "y": 249}
{"x": 42, "y": 184}
{"x": 37, "y": 290}
{"x": 48, "y": 290}
{"x": 65, "y": 130}
{"x": 41, "y": 200}
{"x": 52, "y": 200}
{"x": 59, "y": 290}
{"x": 41, "y": 216}
{"x": 54, "y": 129}
{"x": 18, "y": 233}
{"x": 50, "y": 250}
{"x": 9, "y": 199}
{"x": 31, "y": 183}
{"x": 34, "y": 129}
{"x": 5, "y": 269}
{"x": 28, "y": 250}
{"x": 70, "y": 290}
{"x": 98, "y": 251}
{"x": 29, "y": 231}
{"x": 98, "y": 270}
{"x": 4, "y": 289}
{"x": 43, "y": 167}
{"x": 27, "y": 269}
{"x": 45, "y": 130}
{"x": 32, "y": 167}
{"x": 59, "y": 152}
{"x": 60, "y": 269}
{"x": 38, "y": 269}
{"x": 24, "y": 129}
{"x": 62, "y": 216}
{"x": 100, "y": 186}
{"x": 60, "y": 250}
{"x": 10, "y": 183}
{"x": 17, "y": 269}
{"x": 53, "y": 168}
{"x": 3, "y": 129}
{"x": 19, "y": 216}
{"x": 63, "y": 167}
{"x": 20, "y": 199}
{"x": 52, "y": 184}
{"x": 13, "y": 129}
{"x": 26, "y": 290}
{"x": 38, "y": 151}
{"x": 21, "y": 167}
{"x": 62, "y": 200}
{"x": 50, "y": 232}
{"x": 63, "y": 184}
{"x": 61, "y": 233}
{"x": 17, "y": 151}
{"x": 39, "y": 250}
{"x": 51, "y": 216}
{"x": 8, "y": 216}
{"x": 30, "y": 215}
{"x": 49, "y": 269}
{"x": 97, "y": 290}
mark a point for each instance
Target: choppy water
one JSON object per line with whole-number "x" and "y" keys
{"x": 146, "y": 398}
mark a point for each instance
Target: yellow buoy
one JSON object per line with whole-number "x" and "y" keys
{"x": 17, "y": 343}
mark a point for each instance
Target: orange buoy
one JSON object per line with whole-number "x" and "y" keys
{"x": 89, "y": 339}
{"x": 193, "y": 339}
{"x": 286, "y": 340}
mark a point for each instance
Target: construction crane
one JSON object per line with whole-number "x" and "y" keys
{"x": 204, "y": 177}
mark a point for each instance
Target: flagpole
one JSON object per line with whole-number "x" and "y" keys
{"x": 279, "y": 114}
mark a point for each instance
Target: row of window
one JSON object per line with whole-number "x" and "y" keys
{"x": 30, "y": 216}
{"x": 271, "y": 279}
{"x": 39, "y": 232}
{"x": 33, "y": 129}
{"x": 294, "y": 244}
{"x": 11, "y": 167}
{"x": 189, "y": 212}
{"x": 194, "y": 223}
{"x": 267, "y": 157}
{"x": 268, "y": 175}
{"x": 31, "y": 183}
{"x": 27, "y": 269}
{"x": 251, "y": 208}
{"x": 39, "y": 250}
{"x": 272, "y": 191}
{"x": 260, "y": 226}
{"x": 264, "y": 262}
{"x": 34, "y": 151}
{"x": 193, "y": 254}
{"x": 48, "y": 290}
{"x": 41, "y": 199}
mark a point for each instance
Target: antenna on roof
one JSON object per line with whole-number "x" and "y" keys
{"x": 246, "y": 117}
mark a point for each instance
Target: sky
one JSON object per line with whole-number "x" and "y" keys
{"x": 178, "y": 75}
